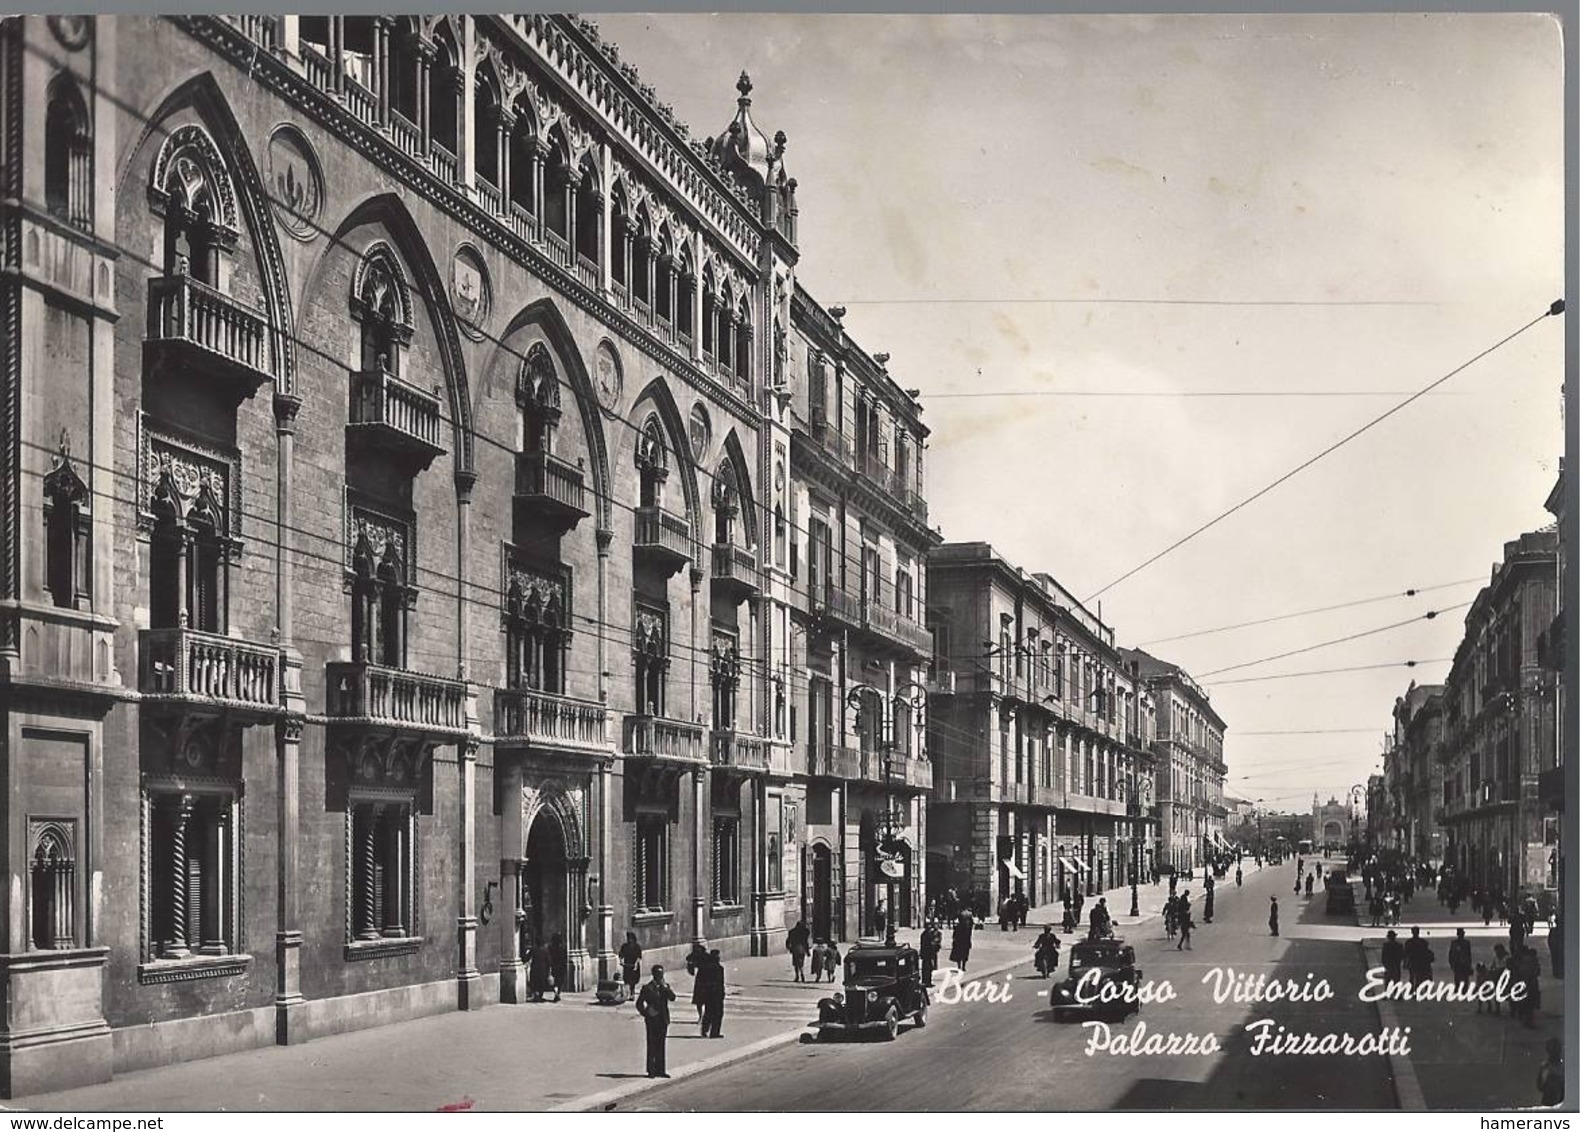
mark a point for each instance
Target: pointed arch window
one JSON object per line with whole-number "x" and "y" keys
{"x": 724, "y": 332}
{"x": 621, "y": 227}
{"x": 652, "y": 464}
{"x": 537, "y": 634}
{"x": 189, "y": 560}
{"x": 444, "y": 95}
{"x": 727, "y": 504}
{"x": 404, "y": 73}
{"x": 651, "y": 657}
{"x": 193, "y": 191}
{"x": 724, "y": 677}
{"x": 685, "y": 296}
{"x": 710, "y": 314}
{"x": 381, "y": 306}
{"x": 380, "y": 597}
{"x": 52, "y": 887}
{"x": 486, "y": 132}
{"x": 741, "y": 349}
{"x": 664, "y": 281}
{"x": 642, "y": 261}
{"x": 68, "y": 169}
{"x": 522, "y": 158}
{"x": 556, "y": 182}
{"x": 67, "y": 529}
{"x": 538, "y": 399}
{"x": 589, "y": 215}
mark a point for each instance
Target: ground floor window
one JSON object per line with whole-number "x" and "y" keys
{"x": 651, "y": 869}
{"x": 192, "y": 866}
{"x": 727, "y": 860}
{"x": 52, "y": 887}
{"x": 383, "y": 857}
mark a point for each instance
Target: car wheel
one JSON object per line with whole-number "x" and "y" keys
{"x": 922, "y": 1016}
{"x": 891, "y": 1024}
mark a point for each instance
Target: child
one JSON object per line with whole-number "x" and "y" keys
{"x": 820, "y": 952}
{"x": 831, "y": 960}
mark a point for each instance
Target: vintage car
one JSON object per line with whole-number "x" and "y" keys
{"x": 883, "y": 986}
{"x": 1102, "y": 981}
{"x": 1340, "y": 894}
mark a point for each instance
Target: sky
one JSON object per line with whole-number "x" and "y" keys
{"x": 1120, "y": 214}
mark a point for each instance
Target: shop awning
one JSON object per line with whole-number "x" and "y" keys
{"x": 1068, "y": 863}
{"x": 1010, "y": 866}
{"x": 1081, "y": 866}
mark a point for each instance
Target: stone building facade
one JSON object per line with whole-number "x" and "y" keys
{"x": 406, "y": 437}
{"x": 1041, "y": 737}
{"x": 1414, "y": 774}
{"x": 1500, "y": 712}
{"x": 1189, "y": 752}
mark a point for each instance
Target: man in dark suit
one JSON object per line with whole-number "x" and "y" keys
{"x": 653, "y": 1003}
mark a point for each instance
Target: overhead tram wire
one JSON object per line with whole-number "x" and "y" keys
{"x": 1308, "y": 612}
{"x": 1428, "y": 616}
{"x": 1324, "y": 672}
{"x": 1557, "y": 307}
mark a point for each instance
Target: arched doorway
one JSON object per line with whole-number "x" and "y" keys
{"x": 822, "y": 910}
{"x": 544, "y": 877}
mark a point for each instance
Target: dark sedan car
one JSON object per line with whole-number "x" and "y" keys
{"x": 1102, "y": 982}
{"x": 883, "y": 986}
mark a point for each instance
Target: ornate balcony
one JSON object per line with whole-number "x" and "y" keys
{"x": 897, "y": 629}
{"x": 198, "y": 330}
{"x": 836, "y": 605}
{"x": 210, "y": 673}
{"x": 550, "y": 489}
{"x": 832, "y": 762}
{"x": 662, "y": 538}
{"x": 523, "y": 717}
{"x": 391, "y": 416}
{"x": 669, "y": 740}
{"x": 394, "y": 700}
{"x": 735, "y": 571}
{"x": 737, "y": 751}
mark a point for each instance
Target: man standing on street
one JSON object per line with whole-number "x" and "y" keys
{"x": 1393, "y": 958}
{"x": 711, "y": 978}
{"x": 1418, "y": 957}
{"x": 1273, "y": 915}
{"x": 1183, "y": 914}
{"x": 1460, "y": 964}
{"x": 653, "y": 1003}
{"x": 1207, "y": 901}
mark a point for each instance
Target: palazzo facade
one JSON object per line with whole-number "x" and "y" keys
{"x": 436, "y": 525}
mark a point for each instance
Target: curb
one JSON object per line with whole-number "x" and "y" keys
{"x": 1407, "y": 1087}
{"x": 610, "y": 1097}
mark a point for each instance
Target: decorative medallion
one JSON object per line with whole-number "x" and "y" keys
{"x": 779, "y": 476}
{"x": 296, "y": 181}
{"x": 606, "y": 373}
{"x": 71, "y": 31}
{"x": 700, "y": 430}
{"x": 470, "y": 291}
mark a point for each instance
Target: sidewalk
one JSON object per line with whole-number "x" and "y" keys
{"x": 1460, "y": 1059}
{"x": 572, "y": 1054}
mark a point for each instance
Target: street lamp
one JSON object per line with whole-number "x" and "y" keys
{"x": 885, "y": 735}
{"x": 1141, "y": 794}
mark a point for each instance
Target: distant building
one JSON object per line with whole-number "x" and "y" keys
{"x": 1190, "y": 755}
{"x": 1331, "y": 823}
{"x": 1414, "y": 773}
{"x": 1500, "y": 726}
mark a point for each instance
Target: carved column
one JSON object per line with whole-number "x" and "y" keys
{"x": 364, "y": 831}
{"x": 603, "y": 821}
{"x": 178, "y": 944}
{"x": 513, "y": 972}
{"x": 699, "y": 856}
{"x": 502, "y": 163}
{"x": 468, "y": 979}
{"x": 288, "y": 732}
{"x": 425, "y": 62}
{"x": 337, "y": 54}
{"x": 540, "y": 150}
{"x": 381, "y": 66}
{"x": 576, "y": 909}
{"x": 760, "y": 926}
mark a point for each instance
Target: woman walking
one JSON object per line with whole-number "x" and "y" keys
{"x": 961, "y": 941}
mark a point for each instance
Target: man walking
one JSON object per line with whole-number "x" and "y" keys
{"x": 1273, "y": 915}
{"x": 798, "y": 942}
{"x": 631, "y": 964}
{"x": 1207, "y": 901}
{"x": 1418, "y": 957}
{"x": 1393, "y": 958}
{"x": 1183, "y": 914}
{"x": 653, "y": 1003}
{"x": 1460, "y": 959}
{"x": 711, "y": 980}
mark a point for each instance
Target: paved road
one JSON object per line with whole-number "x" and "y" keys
{"x": 1012, "y": 1055}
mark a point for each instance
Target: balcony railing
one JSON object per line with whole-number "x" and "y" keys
{"x": 898, "y": 628}
{"x": 833, "y": 762}
{"x": 392, "y": 697}
{"x": 735, "y": 570}
{"x": 654, "y": 737}
{"x": 663, "y": 537}
{"x": 362, "y": 102}
{"x": 444, "y": 163}
{"x": 828, "y": 436}
{"x": 543, "y": 719}
{"x": 551, "y": 488}
{"x": 401, "y": 416}
{"x": 316, "y": 64}
{"x": 262, "y": 30}
{"x": 405, "y": 135}
{"x": 230, "y": 341}
{"x": 489, "y": 197}
{"x": 559, "y": 250}
{"x": 207, "y": 668}
{"x": 733, "y": 749}
{"x": 586, "y": 270}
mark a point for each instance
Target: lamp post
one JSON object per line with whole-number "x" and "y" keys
{"x": 885, "y": 735}
{"x": 1141, "y": 794}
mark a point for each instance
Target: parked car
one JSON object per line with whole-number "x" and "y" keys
{"x": 1340, "y": 893}
{"x": 883, "y": 987}
{"x": 1106, "y": 972}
